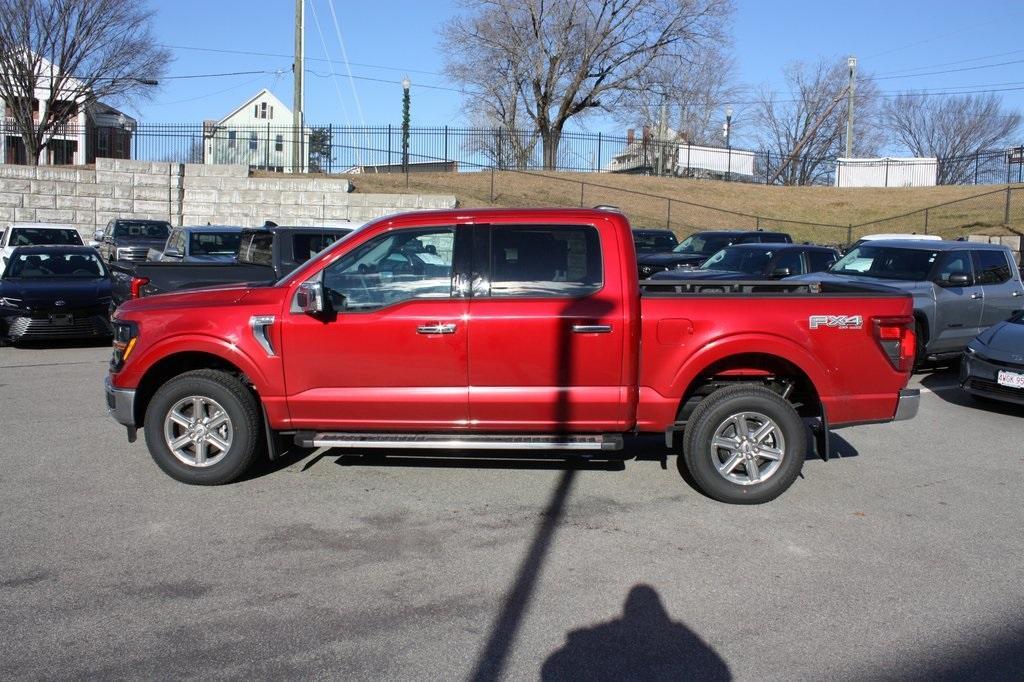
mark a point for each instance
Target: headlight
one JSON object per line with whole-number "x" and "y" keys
{"x": 125, "y": 336}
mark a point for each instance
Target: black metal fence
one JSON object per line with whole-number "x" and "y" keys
{"x": 379, "y": 149}
{"x": 343, "y": 149}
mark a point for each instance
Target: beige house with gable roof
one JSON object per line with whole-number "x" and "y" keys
{"x": 258, "y": 133}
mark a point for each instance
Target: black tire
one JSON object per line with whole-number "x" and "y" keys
{"x": 242, "y": 409}
{"x": 696, "y": 465}
{"x": 920, "y": 360}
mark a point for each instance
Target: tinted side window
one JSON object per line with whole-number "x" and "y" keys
{"x": 991, "y": 267}
{"x": 257, "y": 248}
{"x": 790, "y": 258}
{"x": 306, "y": 245}
{"x": 820, "y": 260}
{"x": 545, "y": 261}
{"x": 955, "y": 263}
{"x": 772, "y": 238}
{"x": 391, "y": 268}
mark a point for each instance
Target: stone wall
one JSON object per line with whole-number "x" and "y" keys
{"x": 187, "y": 194}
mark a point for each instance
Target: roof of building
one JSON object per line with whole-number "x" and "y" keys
{"x": 262, "y": 93}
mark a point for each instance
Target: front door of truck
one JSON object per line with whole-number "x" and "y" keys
{"x": 391, "y": 352}
{"x": 958, "y": 305}
{"x": 548, "y": 330}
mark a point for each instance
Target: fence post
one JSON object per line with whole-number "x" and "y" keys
{"x": 136, "y": 136}
{"x": 728, "y": 163}
{"x": 926, "y": 221}
{"x": 598, "y": 152}
{"x": 330, "y": 148}
{"x": 757, "y": 222}
{"x": 849, "y": 234}
{"x": 668, "y": 215}
{"x": 583, "y": 186}
{"x": 975, "y": 168}
{"x": 266, "y": 155}
{"x": 492, "y": 184}
{"x": 767, "y": 166}
{"x": 389, "y": 144}
{"x": 446, "y": 147}
{"x": 1006, "y": 210}
{"x": 501, "y": 161}
{"x": 887, "y": 172}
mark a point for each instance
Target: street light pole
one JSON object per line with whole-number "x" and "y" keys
{"x": 405, "y": 123}
{"x": 728, "y": 126}
{"x": 852, "y": 64}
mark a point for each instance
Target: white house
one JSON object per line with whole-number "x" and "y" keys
{"x": 68, "y": 144}
{"x": 259, "y": 133}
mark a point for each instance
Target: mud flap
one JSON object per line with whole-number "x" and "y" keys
{"x": 272, "y": 451}
{"x": 821, "y": 436}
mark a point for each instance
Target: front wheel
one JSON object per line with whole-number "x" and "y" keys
{"x": 203, "y": 427}
{"x": 743, "y": 445}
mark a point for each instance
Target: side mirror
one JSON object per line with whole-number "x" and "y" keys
{"x": 97, "y": 235}
{"x": 778, "y": 273}
{"x": 309, "y": 298}
{"x": 959, "y": 279}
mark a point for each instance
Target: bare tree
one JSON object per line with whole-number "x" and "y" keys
{"x": 72, "y": 53}
{"x": 549, "y": 61}
{"x": 695, "y": 90}
{"x": 958, "y": 130}
{"x": 804, "y": 128}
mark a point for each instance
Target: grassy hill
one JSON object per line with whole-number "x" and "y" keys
{"x": 700, "y": 204}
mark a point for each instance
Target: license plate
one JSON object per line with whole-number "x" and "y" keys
{"x": 1011, "y": 379}
{"x": 61, "y": 320}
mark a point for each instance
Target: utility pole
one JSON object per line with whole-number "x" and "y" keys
{"x": 852, "y": 64}
{"x": 299, "y": 77}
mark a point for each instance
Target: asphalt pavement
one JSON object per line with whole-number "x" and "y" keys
{"x": 901, "y": 558}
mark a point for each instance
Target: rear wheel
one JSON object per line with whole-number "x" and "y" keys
{"x": 203, "y": 427}
{"x": 743, "y": 445}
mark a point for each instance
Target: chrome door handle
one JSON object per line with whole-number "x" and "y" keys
{"x": 591, "y": 328}
{"x": 436, "y": 329}
{"x": 976, "y": 296}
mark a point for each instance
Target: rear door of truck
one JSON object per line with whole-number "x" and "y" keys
{"x": 547, "y": 329}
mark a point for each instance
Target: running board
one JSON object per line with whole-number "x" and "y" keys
{"x": 457, "y": 441}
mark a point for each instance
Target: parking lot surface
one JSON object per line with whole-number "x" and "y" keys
{"x": 901, "y": 558}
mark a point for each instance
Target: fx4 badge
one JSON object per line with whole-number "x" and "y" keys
{"x": 837, "y": 321}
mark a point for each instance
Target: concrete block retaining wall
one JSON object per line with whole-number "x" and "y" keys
{"x": 187, "y": 194}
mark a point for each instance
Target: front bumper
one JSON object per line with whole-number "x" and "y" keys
{"x": 120, "y": 403}
{"x": 42, "y": 327}
{"x": 979, "y": 376}
{"x": 909, "y": 402}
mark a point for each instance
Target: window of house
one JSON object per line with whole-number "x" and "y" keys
{"x": 102, "y": 142}
{"x": 253, "y": 141}
{"x": 231, "y": 139}
{"x": 279, "y": 143}
{"x": 256, "y": 111}
{"x": 541, "y": 260}
{"x": 271, "y": 112}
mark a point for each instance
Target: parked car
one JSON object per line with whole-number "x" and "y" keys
{"x": 129, "y": 240}
{"x": 363, "y": 347}
{"x": 200, "y": 244}
{"x": 648, "y": 240}
{"x": 757, "y": 262}
{"x": 265, "y": 254}
{"x": 700, "y": 246}
{"x": 959, "y": 288}
{"x": 54, "y": 292}
{"x": 993, "y": 363}
{"x": 36, "y": 234}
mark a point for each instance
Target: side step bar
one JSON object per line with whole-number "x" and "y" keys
{"x": 457, "y": 441}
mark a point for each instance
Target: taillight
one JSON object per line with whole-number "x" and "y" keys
{"x": 895, "y": 336}
{"x": 137, "y": 284}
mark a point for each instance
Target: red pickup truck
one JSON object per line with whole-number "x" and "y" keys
{"x": 519, "y": 330}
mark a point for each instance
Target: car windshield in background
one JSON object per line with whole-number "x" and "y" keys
{"x": 701, "y": 245}
{"x": 54, "y": 265}
{"x": 887, "y": 262}
{"x": 142, "y": 230}
{"x": 652, "y": 241}
{"x": 749, "y": 261}
{"x": 214, "y": 243}
{"x": 38, "y": 236}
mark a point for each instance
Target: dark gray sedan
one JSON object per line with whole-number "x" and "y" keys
{"x": 993, "y": 363}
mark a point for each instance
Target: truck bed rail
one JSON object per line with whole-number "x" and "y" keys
{"x": 667, "y": 288}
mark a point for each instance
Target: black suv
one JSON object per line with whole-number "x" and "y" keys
{"x": 700, "y": 246}
{"x": 126, "y": 239}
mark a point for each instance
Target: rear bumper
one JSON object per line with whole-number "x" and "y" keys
{"x": 120, "y": 403}
{"x": 908, "y": 404}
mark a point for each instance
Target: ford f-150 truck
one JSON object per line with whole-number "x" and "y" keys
{"x": 509, "y": 329}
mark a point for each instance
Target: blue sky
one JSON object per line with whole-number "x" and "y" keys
{"x": 389, "y": 39}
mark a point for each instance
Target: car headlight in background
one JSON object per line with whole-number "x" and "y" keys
{"x": 125, "y": 336}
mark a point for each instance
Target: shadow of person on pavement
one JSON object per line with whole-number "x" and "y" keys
{"x": 644, "y": 644}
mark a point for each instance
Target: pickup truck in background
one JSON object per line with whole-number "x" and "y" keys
{"x": 265, "y": 254}
{"x": 128, "y": 240}
{"x": 515, "y": 329}
{"x": 199, "y": 244}
{"x": 959, "y": 288}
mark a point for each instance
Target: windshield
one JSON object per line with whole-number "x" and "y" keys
{"x": 141, "y": 229}
{"x": 887, "y": 262}
{"x": 213, "y": 243}
{"x": 663, "y": 240}
{"x": 54, "y": 265}
{"x": 44, "y": 236}
{"x": 703, "y": 245}
{"x": 739, "y": 259}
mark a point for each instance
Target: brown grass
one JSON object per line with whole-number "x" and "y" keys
{"x": 769, "y": 207}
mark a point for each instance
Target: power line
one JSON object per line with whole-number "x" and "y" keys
{"x": 945, "y": 71}
{"x": 331, "y": 74}
{"x": 216, "y": 75}
{"x": 934, "y": 38}
{"x": 959, "y": 61}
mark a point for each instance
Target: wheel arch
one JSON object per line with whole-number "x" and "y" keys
{"x": 171, "y": 366}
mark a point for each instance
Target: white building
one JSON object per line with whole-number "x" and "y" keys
{"x": 887, "y": 172}
{"x": 259, "y": 134}
{"x": 678, "y": 157}
{"x": 68, "y": 143}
